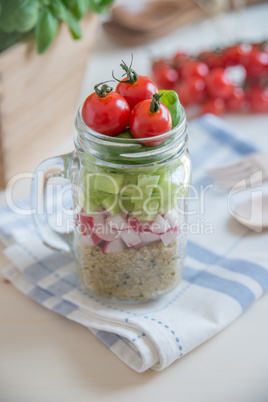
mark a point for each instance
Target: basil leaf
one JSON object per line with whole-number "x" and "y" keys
{"x": 46, "y": 29}
{"x": 99, "y": 6}
{"x": 68, "y": 3}
{"x": 171, "y": 100}
{"x": 60, "y": 11}
{"x": 8, "y": 40}
{"x": 7, "y": 10}
{"x": 25, "y": 15}
{"x": 125, "y": 134}
{"x": 73, "y": 25}
{"x": 80, "y": 8}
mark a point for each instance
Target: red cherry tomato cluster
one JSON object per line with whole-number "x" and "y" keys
{"x": 205, "y": 79}
{"x": 134, "y": 104}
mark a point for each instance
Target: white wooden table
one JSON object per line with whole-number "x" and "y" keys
{"x": 45, "y": 357}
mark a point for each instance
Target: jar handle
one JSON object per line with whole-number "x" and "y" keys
{"x": 53, "y": 167}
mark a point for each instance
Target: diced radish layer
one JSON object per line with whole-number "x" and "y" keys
{"x": 169, "y": 236}
{"x": 105, "y": 232}
{"x": 98, "y": 219}
{"x": 134, "y": 223}
{"x": 118, "y": 222}
{"x": 130, "y": 237}
{"x": 149, "y": 237}
{"x": 84, "y": 223}
{"x": 86, "y": 219}
{"x": 145, "y": 226}
{"x": 139, "y": 226}
{"x": 172, "y": 217}
{"x": 159, "y": 225}
{"x": 90, "y": 241}
{"x": 114, "y": 246}
{"x": 102, "y": 229}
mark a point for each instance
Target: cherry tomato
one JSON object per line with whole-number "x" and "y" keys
{"x": 160, "y": 63}
{"x": 106, "y": 111}
{"x": 135, "y": 88}
{"x": 244, "y": 50}
{"x": 134, "y": 93}
{"x": 179, "y": 59}
{"x": 218, "y": 84}
{"x": 191, "y": 90}
{"x": 264, "y": 46}
{"x": 257, "y": 63}
{"x": 236, "y": 100}
{"x": 214, "y": 106}
{"x": 183, "y": 93}
{"x": 164, "y": 75}
{"x": 231, "y": 55}
{"x": 254, "y": 58}
{"x": 258, "y": 99}
{"x": 213, "y": 59}
{"x": 194, "y": 68}
{"x": 150, "y": 118}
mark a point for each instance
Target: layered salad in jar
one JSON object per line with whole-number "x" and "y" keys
{"x": 128, "y": 224}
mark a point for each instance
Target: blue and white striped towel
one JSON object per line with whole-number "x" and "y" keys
{"x": 226, "y": 270}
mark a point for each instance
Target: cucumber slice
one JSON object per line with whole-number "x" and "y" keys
{"x": 88, "y": 204}
{"x": 168, "y": 193}
{"x": 135, "y": 193}
{"x": 108, "y": 182}
{"x": 98, "y": 196}
{"x": 88, "y": 182}
{"x": 146, "y": 181}
{"x": 125, "y": 205}
{"x": 138, "y": 208}
{"x": 151, "y": 206}
{"x": 130, "y": 179}
{"x": 128, "y": 190}
{"x": 147, "y": 210}
{"x": 164, "y": 177}
{"x": 141, "y": 195}
{"x": 111, "y": 204}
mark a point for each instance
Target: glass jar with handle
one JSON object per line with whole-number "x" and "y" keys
{"x": 129, "y": 211}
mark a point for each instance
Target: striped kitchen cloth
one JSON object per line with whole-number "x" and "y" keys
{"x": 226, "y": 270}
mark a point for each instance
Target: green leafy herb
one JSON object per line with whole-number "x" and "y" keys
{"x": 125, "y": 134}
{"x": 99, "y": 6}
{"x": 73, "y": 25}
{"x": 69, "y": 3}
{"x": 8, "y": 40}
{"x": 7, "y": 10}
{"x": 46, "y": 29}
{"x": 171, "y": 100}
{"x": 25, "y": 15}
{"x": 60, "y": 11}
{"x": 80, "y": 8}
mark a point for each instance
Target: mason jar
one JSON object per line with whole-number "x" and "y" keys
{"x": 129, "y": 208}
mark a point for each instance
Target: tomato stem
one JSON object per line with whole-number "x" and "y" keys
{"x": 155, "y": 104}
{"x": 131, "y": 74}
{"x": 104, "y": 90}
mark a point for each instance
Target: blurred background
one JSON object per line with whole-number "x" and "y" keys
{"x": 54, "y": 52}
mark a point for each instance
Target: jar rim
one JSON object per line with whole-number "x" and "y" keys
{"x": 130, "y": 150}
{"x": 84, "y": 129}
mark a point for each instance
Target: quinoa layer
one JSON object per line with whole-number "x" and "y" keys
{"x": 131, "y": 275}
